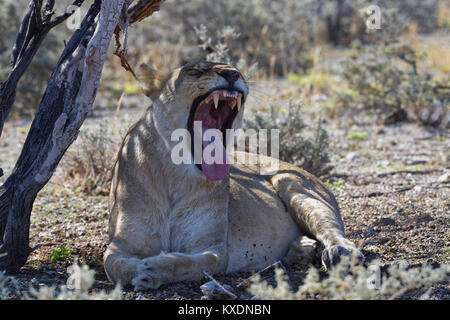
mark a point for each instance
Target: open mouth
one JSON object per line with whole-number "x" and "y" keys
{"x": 215, "y": 110}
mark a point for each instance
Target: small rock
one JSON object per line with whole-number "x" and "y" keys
{"x": 416, "y": 161}
{"x": 352, "y": 156}
{"x": 301, "y": 252}
{"x": 142, "y": 298}
{"x": 418, "y": 188}
{"x": 424, "y": 217}
{"x": 383, "y": 240}
{"x": 444, "y": 178}
{"x": 385, "y": 222}
{"x": 319, "y": 97}
{"x": 383, "y": 163}
{"x": 211, "y": 291}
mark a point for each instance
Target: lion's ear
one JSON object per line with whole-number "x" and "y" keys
{"x": 150, "y": 80}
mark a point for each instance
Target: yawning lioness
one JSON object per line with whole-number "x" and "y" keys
{"x": 169, "y": 222}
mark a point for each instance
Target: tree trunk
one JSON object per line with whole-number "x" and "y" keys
{"x": 66, "y": 102}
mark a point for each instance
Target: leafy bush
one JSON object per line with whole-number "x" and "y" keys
{"x": 348, "y": 282}
{"x": 309, "y": 153}
{"x": 62, "y": 253}
{"x": 388, "y": 82}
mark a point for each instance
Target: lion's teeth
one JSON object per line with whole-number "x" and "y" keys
{"x": 233, "y": 104}
{"x": 216, "y": 100}
{"x": 238, "y": 100}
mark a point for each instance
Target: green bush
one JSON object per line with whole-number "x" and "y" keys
{"x": 62, "y": 253}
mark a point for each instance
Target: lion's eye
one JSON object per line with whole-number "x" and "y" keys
{"x": 194, "y": 72}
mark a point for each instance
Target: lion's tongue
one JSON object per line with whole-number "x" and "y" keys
{"x": 213, "y": 118}
{"x": 214, "y": 171}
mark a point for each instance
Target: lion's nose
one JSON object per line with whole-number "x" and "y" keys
{"x": 230, "y": 75}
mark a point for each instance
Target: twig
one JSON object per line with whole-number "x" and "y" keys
{"x": 217, "y": 283}
{"x": 273, "y": 265}
{"x": 35, "y": 247}
{"x": 384, "y": 174}
{"x": 401, "y": 292}
{"x": 380, "y": 193}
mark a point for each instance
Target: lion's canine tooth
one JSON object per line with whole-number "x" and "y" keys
{"x": 216, "y": 100}
{"x": 238, "y": 100}
{"x": 233, "y": 104}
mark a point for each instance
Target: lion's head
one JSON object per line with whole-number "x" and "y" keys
{"x": 197, "y": 97}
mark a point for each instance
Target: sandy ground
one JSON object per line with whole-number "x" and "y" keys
{"x": 392, "y": 187}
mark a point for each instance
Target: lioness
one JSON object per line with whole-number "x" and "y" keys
{"x": 170, "y": 222}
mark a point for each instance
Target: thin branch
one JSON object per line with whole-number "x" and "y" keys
{"x": 381, "y": 193}
{"x": 217, "y": 283}
{"x": 48, "y": 10}
{"x": 30, "y": 33}
{"x": 142, "y": 9}
{"x": 245, "y": 282}
{"x": 384, "y": 174}
{"x": 37, "y": 13}
{"x": 20, "y": 38}
{"x": 28, "y": 41}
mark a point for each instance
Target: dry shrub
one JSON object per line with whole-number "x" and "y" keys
{"x": 385, "y": 80}
{"x": 346, "y": 281}
{"x": 308, "y": 150}
{"x": 89, "y": 162}
{"x": 78, "y": 287}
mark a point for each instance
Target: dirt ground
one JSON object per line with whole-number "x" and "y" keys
{"x": 392, "y": 184}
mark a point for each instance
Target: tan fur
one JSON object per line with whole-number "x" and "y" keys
{"x": 169, "y": 223}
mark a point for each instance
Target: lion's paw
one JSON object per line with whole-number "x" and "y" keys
{"x": 149, "y": 275}
{"x": 332, "y": 255}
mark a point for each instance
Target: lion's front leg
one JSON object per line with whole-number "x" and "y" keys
{"x": 173, "y": 267}
{"x": 317, "y": 215}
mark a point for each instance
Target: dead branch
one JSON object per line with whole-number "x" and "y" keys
{"x": 136, "y": 13}
{"x": 246, "y": 282}
{"x": 32, "y": 32}
{"x": 217, "y": 283}
{"x": 381, "y": 193}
